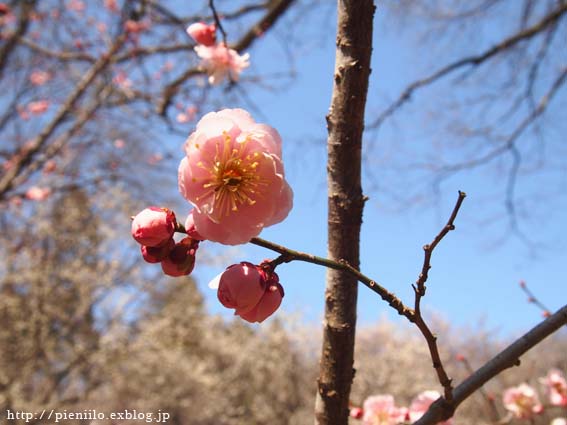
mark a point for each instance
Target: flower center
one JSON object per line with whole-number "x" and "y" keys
{"x": 234, "y": 180}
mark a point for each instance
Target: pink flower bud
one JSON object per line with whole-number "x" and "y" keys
{"x": 181, "y": 259}
{"x": 267, "y": 305}
{"x": 241, "y": 287}
{"x": 153, "y": 226}
{"x": 356, "y": 412}
{"x": 155, "y": 254}
{"x": 202, "y": 33}
{"x": 190, "y": 227}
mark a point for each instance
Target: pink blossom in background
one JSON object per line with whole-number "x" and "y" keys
{"x": 49, "y": 167}
{"x": 76, "y": 5}
{"x": 153, "y": 226}
{"x": 136, "y": 27}
{"x": 421, "y": 403}
{"x": 356, "y": 412}
{"x": 119, "y": 143}
{"x": 36, "y": 193}
{"x": 220, "y": 62}
{"x": 234, "y": 176}
{"x": 522, "y": 401}
{"x": 556, "y": 387}
{"x": 121, "y": 79}
{"x": 112, "y": 5}
{"x": 181, "y": 259}
{"x": 39, "y": 77}
{"x": 381, "y": 410}
{"x": 155, "y": 158}
{"x": 38, "y": 107}
{"x": 253, "y": 291}
{"x": 559, "y": 421}
{"x": 202, "y": 33}
{"x": 187, "y": 115}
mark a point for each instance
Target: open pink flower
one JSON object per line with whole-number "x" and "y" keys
{"x": 220, "y": 62}
{"x": 522, "y": 401}
{"x": 253, "y": 291}
{"x": 234, "y": 176}
{"x": 556, "y": 387}
{"x": 421, "y": 403}
{"x": 202, "y": 33}
{"x": 381, "y": 410}
{"x": 153, "y": 226}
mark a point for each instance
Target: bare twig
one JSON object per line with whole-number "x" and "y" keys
{"x": 442, "y": 410}
{"x": 419, "y": 289}
{"x": 508, "y": 43}
{"x": 533, "y": 299}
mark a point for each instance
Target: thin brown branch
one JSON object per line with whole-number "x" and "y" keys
{"x": 8, "y": 46}
{"x": 7, "y": 180}
{"x": 442, "y": 410}
{"x": 292, "y": 255}
{"x": 533, "y": 299}
{"x": 507, "y": 44}
{"x": 419, "y": 289}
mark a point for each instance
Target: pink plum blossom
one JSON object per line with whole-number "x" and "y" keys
{"x": 202, "y": 33}
{"x": 220, "y": 62}
{"x": 38, "y": 107}
{"x": 381, "y": 410}
{"x": 153, "y": 226}
{"x": 181, "y": 259}
{"x": 39, "y": 77}
{"x": 234, "y": 176}
{"x": 36, "y": 193}
{"x": 556, "y": 387}
{"x": 421, "y": 403}
{"x": 522, "y": 401}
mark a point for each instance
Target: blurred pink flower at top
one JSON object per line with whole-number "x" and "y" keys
{"x": 36, "y": 193}
{"x": 421, "y": 403}
{"x": 556, "y": 387}
{"x": 38, "y": 107}
{"x": 202, "y": 33}
{"x": 522, "y": 401}
{"x": 234, "y": 176}
{"x": 39, "y": 78}
{"x": 381, "y": 410}
{"x": 220, "y": 62}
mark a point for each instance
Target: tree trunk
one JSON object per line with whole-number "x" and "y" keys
{"x": 345, "y": 124}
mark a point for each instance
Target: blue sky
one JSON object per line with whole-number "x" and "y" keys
{"x": 475, "y": 270}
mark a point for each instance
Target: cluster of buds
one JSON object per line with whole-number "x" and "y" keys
{"x": 254, "y": 291}
{"x": 153, "y": 228}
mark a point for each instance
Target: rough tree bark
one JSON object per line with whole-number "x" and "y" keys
{"x": 345, "y": 124}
